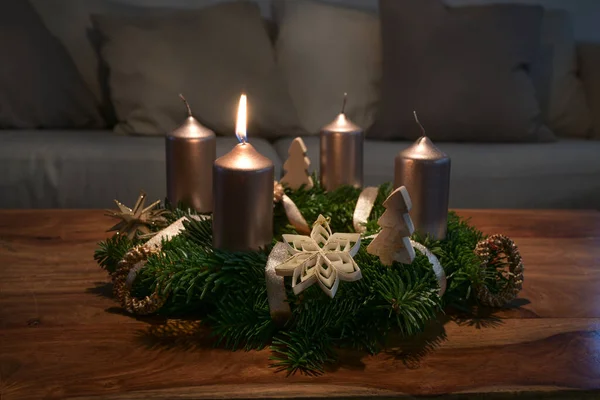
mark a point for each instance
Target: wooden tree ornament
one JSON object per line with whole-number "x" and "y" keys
{"x": 296, "y": 167}
{"x": 393, "y": 242}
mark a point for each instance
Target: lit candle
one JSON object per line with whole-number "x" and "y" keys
{"x": 342, "y": 144}
{"x": 191, "y": 152}
{"x": 243, "y": 195}
{"x": 425, "y": 172}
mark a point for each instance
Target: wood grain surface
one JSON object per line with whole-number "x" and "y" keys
{"x": 63, "y": 336}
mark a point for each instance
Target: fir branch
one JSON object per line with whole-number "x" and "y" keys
{"x": 197, "y": 273}
{"x": 410, "y": 299}
{"x": 199, "y": 232}
{"x": 242, "y": 318}
{"x": 458, "y": 259}
{"x": 112, "y": 250}
{"x": 302, "y": 351}
{"x": 337, "y": 205}
{"x": 227, "y": 289}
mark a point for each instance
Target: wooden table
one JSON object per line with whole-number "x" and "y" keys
{"x": 63, "y": 336}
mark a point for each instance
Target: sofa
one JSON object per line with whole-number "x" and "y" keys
{"x": 55, "y": 166}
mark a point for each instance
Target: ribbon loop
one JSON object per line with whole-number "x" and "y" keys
{"x": 437, "y": 267}
{"x": 294, "y": 215}
{"x": 364, "y": 206}
{"x": 278, "y": 305}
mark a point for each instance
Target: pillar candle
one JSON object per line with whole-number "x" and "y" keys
{"x": 425, "y": 172}
{"x": 342, "y": 144}
{"x": 191, "y": 152}
{"x": 243, "y": 195}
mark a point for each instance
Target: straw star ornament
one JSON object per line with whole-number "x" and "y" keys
{"x": 139, "y": 220}
{"x": 323, "y": 257}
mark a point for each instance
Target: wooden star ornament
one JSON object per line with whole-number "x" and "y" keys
{"x": 323, "y": 257}
{"x": 137, "y": 221}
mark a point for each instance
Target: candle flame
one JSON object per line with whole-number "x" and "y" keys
{"x": 240, "y": 125}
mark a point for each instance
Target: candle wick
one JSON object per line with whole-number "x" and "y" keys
{"x": 187, "y": 105}
{"x": 344, "y": 103}
{"x": 419, "y": 122}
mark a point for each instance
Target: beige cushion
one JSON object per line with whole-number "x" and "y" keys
{"x": 324, "y": 51}
{"x": 40, "y": 86}
{"x": 210, "y": 55}
{"x": 70, "y": 21}
{"x": 464, "y": 70}
{"x": 368, "y": 5}
{"x": 589, "y": 56}
{"x": 563, "y": 100}
{"x": 567, "y": 112}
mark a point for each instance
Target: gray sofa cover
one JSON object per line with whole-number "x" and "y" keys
{"x": 564, "y": 174}
{"x": 88, "y": 169}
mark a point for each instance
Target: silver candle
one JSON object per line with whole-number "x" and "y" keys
{"x": 342, "y": 144}
{"x": 191, "y": 152}
{"x": 425, "y": 172}
{"x": 243, "y": 195}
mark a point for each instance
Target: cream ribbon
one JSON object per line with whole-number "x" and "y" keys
{"x": 156, "y": 241}
{"x": 278, "y": 305}
{"x": 437, "y": 267}
{"x": 363, "y": 208}
{"x": 294, "y": 215}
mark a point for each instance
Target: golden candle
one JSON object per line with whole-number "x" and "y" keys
{"x": 342, "y": 143}
{"x": 190, "y": 154}
{"x": 243, "y": 194}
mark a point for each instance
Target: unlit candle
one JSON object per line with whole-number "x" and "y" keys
{"x": 342, "y": 143}
{"x": 425, "y": 172}
{"x": 190, "y": 154}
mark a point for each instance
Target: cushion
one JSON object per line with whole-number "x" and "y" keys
{"x": 565, "y": 106}
{"x": 366, "y": 5}
{"x": 589, "y": 57}
{"x": 563, "y": 100}
{"x": 70, "y": 21}
{"x": 340, "y": 52}
{"x": 567, "y": 112}
{"x": 40, "y": 85}
{"x": 210, "y": 55}
{"x": 562, "y": 174}
{"x": 88, "y": 169}
{"x": 464, "y": 70}
{"x": 583, "y": 12}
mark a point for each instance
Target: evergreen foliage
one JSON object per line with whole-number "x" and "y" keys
{"x": 111, "y": 251}
{"x": 226, "y": 290}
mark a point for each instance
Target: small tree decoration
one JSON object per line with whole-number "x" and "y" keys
{"x": 393, "y": 242}
{"x": 296, "y": 167}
